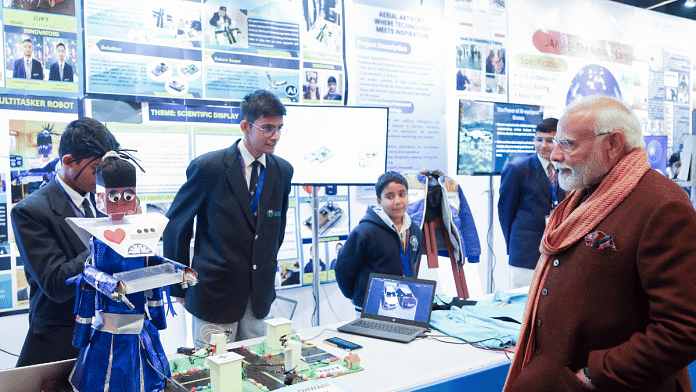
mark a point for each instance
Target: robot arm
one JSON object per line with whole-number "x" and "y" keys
{"x": 190, "y": 276}
{"x": 106, "y": 284}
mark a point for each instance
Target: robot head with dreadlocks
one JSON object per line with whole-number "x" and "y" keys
{"x": 44, "y": 141}
{"x": 115, "y": 188}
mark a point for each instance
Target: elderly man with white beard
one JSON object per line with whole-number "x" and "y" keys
{"x": 612, "y": 306}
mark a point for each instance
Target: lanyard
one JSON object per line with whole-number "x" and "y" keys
{"x": 405, "y": 259}
{"x": 257, "y": 194}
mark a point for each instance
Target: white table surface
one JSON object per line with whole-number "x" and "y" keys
{"x": 392, "y": 366}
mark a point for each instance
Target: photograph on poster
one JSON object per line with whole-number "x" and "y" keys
{"x": 61, "y": 59}
{"x": 36, "y": 143}
{"x": 308, "y": 263}
{"x": 310, "y": 87}
{"x": 62, "y": 7}
{"x": 25, "y": 56}
{"x": 323, "y": 24}
{"x": 226, "y": 27}
{"x": 334, "y": 249}
{"x": 334, "y": 87}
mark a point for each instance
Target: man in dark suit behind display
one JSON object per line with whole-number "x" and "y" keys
{"x": 27, "y": 64}
{"x": 60, "y": 70}
{"x": 238, "y": 231}
{"x": 52, "y": 252}
{"x": 527, "y": 196}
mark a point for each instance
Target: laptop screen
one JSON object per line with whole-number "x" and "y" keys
{"x": 392, "y": 297}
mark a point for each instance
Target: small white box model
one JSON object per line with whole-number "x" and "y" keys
{"x": 225, "y": 372}
{"x": 277, "y": 328}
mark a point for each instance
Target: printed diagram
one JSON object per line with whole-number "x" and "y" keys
{"x": 273, "y": 84}
{"x": 190, "y": 70}
{"x": 319, "y": 156}
{"x": 176, "y": 86}
{"x": 160, "y": 69}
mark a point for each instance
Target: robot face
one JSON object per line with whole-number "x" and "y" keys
{"x": 116, "y": 202}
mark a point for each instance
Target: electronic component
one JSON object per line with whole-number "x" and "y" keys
{"x": 329, "y": 214}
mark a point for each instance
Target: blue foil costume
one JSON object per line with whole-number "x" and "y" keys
{"x": 121, "y": 349}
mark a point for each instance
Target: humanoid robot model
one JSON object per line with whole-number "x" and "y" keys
{"x": 119, "y": 304}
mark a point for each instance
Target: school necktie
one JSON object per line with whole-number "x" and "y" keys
{"x": 27, "y": 69}
{"x": 88, "y": 208}
{"x": 61, "y": 72}
{"x": 551, "y": 172}
{"x": 254, "y": 183}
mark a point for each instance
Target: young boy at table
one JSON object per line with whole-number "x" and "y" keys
{"x": 385, "y": 241}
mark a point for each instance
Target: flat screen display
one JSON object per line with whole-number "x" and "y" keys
{"x": 492, "y": 134}
{"x": 343, "y": 145}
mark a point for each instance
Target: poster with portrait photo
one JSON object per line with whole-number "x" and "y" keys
{"x": 333, "y": 87}
{"x": 311, "y": 91}
{"x": 308, "y": 263}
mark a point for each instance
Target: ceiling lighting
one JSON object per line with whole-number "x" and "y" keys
{"x": 690, "y": 3}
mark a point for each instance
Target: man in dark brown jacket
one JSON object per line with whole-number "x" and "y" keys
{"x": 613, "y": 304}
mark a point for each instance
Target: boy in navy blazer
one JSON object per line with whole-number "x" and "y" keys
{"x": 527, "y": 196}
{"x": 239, "y": 198}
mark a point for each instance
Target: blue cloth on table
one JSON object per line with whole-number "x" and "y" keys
{"x": 493, "y": 322}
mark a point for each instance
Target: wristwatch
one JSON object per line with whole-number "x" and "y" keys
{"x": 587, "y": 373}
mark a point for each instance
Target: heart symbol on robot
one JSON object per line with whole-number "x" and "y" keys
{"x": 116, "y": 236}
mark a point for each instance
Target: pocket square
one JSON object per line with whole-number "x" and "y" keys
{"x": 600, "y": 240}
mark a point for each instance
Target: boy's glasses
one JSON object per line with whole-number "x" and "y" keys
{"x": 269, "y": 130}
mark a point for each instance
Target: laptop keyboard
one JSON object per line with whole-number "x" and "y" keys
{"x": 386, "y": 327}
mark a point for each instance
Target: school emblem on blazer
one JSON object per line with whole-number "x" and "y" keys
{"x": 414, "y": 243}
{"x": 272, "y": 213}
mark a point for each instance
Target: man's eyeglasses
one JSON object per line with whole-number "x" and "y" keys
{"x": 269, "y": 130}
{"x": 570, "y": 144}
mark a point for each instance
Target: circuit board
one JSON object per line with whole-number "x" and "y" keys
{"x": 263, "y": 369}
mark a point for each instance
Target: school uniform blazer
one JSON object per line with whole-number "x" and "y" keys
{"x": 628, "y": 313}
{"x": 525, "y": 201}
{"x": 235, "y": 258}
{"x": 52, "y": 252}
{"x": 20, "y": 72}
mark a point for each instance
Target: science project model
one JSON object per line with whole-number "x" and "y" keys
{"x": 281, "y": 360}
{"x": 119, "y": 304}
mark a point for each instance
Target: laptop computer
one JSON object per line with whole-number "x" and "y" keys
{"x": 396, "y": 308}
{"x": 47, "y": 377}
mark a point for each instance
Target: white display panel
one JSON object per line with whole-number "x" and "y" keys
{"x": 335, "y": 144}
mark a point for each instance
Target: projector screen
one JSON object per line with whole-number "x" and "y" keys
{"x": 342, "y": 145}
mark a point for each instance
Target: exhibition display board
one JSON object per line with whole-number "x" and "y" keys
{"x": 184, "y": 65}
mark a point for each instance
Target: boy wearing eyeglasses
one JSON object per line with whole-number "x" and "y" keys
{"x": 238, "y": 197}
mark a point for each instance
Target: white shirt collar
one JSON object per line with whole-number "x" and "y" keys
{"x": 385, "y": 217}
{"x": 544, "y": 162}
{"x": 247, "y": 157}
{"x": 74, "y": 196}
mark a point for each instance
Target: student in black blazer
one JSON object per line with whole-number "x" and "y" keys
{"x": 55, "y": 72}
{"x": 50, "y": 249}
{"x": 526, "y": 198}
{"x": 235, "y": 249}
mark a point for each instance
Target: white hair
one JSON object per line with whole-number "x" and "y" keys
{"x": 610, "y": 115}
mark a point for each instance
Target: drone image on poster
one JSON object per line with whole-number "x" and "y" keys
{"x": 120, "y": 304}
